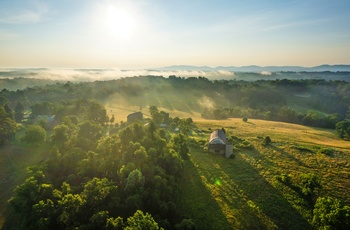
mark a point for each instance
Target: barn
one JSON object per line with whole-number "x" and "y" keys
{"x": 218, "y": 143}
{"x": 134, "y": 117}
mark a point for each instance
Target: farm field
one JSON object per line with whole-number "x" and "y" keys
{"x": 243, "y": 193}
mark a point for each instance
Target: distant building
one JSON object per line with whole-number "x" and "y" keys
{"x": 218, "y": 143}
{"x": 138, "y": 116}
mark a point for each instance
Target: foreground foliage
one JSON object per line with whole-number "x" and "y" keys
{"x": 96, "y": 181}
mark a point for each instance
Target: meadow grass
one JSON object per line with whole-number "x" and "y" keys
{"x": 245, "y": 189}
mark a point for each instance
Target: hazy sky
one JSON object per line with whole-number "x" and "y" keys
{"x": 156, "y": 33}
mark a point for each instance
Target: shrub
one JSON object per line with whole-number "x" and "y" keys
{"x": 285, "y": 179}
{"x": 303, "y": 148}
{"x": 186, "y": 224}
{"x": 245, "y": 145}
{"x": 326, "y": 151}
{"x": 267, "y": 140}
{"x": 329, "y": 213}
{"x": 245, "y": 119}
{"x": 342, "y": 128}
{"x": 308, "y": 184}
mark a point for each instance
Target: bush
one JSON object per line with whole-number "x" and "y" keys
{"x": 285, "y": 179}
{"x": 303, "y": 148}
{"x": 342, "y": 128}
{"x": 308, "y": 184}
{"x": 245, "y": 145}
{"x": 267, "y": 140}
{"x": 326, "y": 151}
{"x": 329, "y": 213}
{"x": 34, "y": 134}
{"x": 245, "y": 119}
{"x": 186, "y": 224}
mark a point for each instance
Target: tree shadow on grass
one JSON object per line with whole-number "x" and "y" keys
{"x": 196, "y": 202}
{"x": 218, "y": 203}
{"x": 287, "y": 155}
{"x": 267, "y": 200}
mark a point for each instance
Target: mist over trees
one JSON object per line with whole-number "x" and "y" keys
{"x": 313, "y": 102}
{"x": 104, "y": 175}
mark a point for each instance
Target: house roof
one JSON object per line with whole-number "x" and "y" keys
{"x": 135, "y": 114}
{"x": 218, "y": 137}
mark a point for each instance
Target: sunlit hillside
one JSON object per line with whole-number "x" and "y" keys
{"x": 244, "y": 192}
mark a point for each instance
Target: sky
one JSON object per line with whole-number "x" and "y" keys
{"x": 137, "y": 34}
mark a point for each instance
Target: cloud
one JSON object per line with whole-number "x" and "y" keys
{"x": 265, "y": 73}
{"x": 25, "y": 15}
{"x": 106, "y": 74}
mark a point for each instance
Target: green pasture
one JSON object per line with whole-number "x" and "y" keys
{"x": 242, "y": 193}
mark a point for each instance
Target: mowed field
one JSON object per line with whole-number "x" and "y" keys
{"x": 242, "y": 193}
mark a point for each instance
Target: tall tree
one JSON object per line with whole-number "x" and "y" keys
{"x": 141, "y": 221}
{"x": 7, "y": 126}
{"x": 19, "y": 111}
{"x": 34, "y": 134}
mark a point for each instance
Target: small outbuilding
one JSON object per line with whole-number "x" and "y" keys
{"x": 218, "y": 143}
{"x": 138, "y": 116}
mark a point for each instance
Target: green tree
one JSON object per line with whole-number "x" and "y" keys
{"x": 179, "y": 144}
{"x": 112, "y": 119}
{"x": 71, "y": 208}
{"x": 7, "y": 126}
{"x": 60, "y": 134}
{"x": 100, "y": 194}
{"x": 342, "y": 128}
{"x": 43, "y": 215}
{"x": 134, "y": 182}
{"x": 30, "y": 192}
{"x": 19, "y": 111}
{"x": 329, "y": 213}
{"x": 97, "y": 113}
{"x": 156, "y": 116}
{"x": 186, "y": 224}
{"x": 34, "y": 134}
{"x": 287, "y": 114}
{"x": 115, "y": 223}
{"x": 88, "y": 135}
{"x": 267, "y": 140}
{"x": 309, "y": 183}
{"x": 141, "y": 221}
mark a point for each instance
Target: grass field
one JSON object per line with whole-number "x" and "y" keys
{"x": 241, "y": 193}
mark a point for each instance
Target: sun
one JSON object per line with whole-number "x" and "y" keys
{"x": 119, "y": 22}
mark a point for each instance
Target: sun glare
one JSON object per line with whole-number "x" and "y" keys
{"x": 119, "y": 22}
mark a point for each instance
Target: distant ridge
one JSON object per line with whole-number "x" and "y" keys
{"x": 258, "y": 69}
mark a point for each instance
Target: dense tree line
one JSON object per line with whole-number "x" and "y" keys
{"x": 311, "y": 102}
{"x": 284, "y": 114}
{"x": 91, "y": 180}
{"x": 320, "y": 95}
